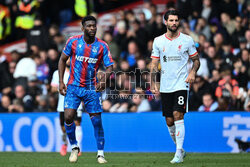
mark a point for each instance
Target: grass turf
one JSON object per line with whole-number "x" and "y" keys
{"x": 21, "y": 159}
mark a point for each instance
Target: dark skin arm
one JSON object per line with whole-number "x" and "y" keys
{"x": 61, "y": 70}
{"x": 102, "y": 82}
{"x": 195, "y": 68}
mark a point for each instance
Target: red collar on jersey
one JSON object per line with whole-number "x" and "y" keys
{"x": 172, "y": 38}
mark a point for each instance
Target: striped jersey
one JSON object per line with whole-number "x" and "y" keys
{"x": 173, "y": 55}
{"x": 85, "y": 60}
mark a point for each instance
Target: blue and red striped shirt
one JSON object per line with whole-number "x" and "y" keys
{"x": 85, "y": 60}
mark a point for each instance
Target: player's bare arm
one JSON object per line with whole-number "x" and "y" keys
{"x": 153, "y": 72}
{"x": 195, "y": 68}
{"x": 102, "y": 82}
{"x": 61, "y": 69}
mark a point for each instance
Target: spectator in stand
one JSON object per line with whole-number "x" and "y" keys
{"x": 198, "y": 89}
{"x": 5, "y": 81}
{"x": 25, "y": 68}
{"x": 214, "y": 80}
{"x": 5, "y": 103}
{"x": 113, "y": 47}
{"x": 23, "y": 102}
{"x": 38, "y": 35}
{"x": 209, "y": 105}
{"x": 52, "y": 61}
{"x": 227, "y": 88}
{"x": 121, "y": 37}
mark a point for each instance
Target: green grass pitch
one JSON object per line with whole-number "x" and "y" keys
{"x": 22, "y": 159}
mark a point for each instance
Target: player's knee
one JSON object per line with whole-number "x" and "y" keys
{"x": 178, "y": 115}
{"x": 69, "y": 117}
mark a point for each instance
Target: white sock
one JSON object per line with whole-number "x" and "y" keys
{"x": 64, "y": 138}
{"x": 179, "y": 134}
{"x": 100, "y": 152}
{"x": 79, "y": 135}
{"x": 171, "y": 130}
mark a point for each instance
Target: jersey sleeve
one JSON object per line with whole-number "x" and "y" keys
{"x": 155, "y": 52}
{"x": 107, "y": 58}
{"x": 67, "y": 50}
{"x": 192, "y": 49}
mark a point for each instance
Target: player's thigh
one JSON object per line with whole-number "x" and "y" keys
{"x": 167, "y": 104}
{"x": 93, "y": 102}
{"x": 72, "y": 100}
{"x": 180, "y": 101}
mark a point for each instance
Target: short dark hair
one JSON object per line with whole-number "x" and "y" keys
{"x": 171, "y": 12}
{"x": 87, "y": 18}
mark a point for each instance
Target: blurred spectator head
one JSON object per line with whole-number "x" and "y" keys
{"x": 20, "y": 91}
{"x": 15, "y": 56}
{"x": 34, "y": 49}
{"x": 43, "y": 55}
{"x": 113, "y": 20}
{"x": 107, "y": 37}
{"x": 141, "y": 64}
{"x": 129, "y": 15}
{"x": 225, "y": 18}
{"x": 53, "y": 30}
{"x": 12, "y": 67}
{"x": 207, "y": 3}
{"x": 245, "y": 55}
{"x": 218, "y": 39}
{"x": 124, "y": 65}
{"x": 207, "y": 99}
{"x": 202, "y": 39}
{"x": 211, "y": 52}
{"x": 5, "y": 101}
{"x": 215, "y": 75}
{"x": 247, "y": 35}
{"x": 226, "y": 74}
{"x": 32, "y": 81}
{"x": 43, "y": 103}
{"x": 121, "y": 27}
{"x": 53, "y": 54}
{"x": 226, "y": 47}
{"x": 38, "y": 21}
{"x": 132, "y": 47}
{"x": 135, "y": 25}
{"x": 242, "y": 42}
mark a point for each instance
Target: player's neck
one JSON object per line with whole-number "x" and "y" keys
{"x": 89, "y": 40}
{"x": 172, "y": 35}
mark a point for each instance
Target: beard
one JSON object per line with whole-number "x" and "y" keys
{"x": 173, "y": 30}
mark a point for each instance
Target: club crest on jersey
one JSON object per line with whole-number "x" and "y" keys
{"x": 179, "y": 47}
{"x": 94, "y": 49}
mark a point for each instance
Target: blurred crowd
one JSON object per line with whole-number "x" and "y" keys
{"x": 220, "y": 29}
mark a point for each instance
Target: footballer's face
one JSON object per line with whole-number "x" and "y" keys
{"x": 172, "y": 23}
{"x": 89, "y": 28}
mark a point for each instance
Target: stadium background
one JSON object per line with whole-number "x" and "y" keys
{"x": 28, "y": 121}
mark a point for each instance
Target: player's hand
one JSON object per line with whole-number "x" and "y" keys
{"x": 99, "y": 87}
{"x": 62, "y": 89}
{"x": 191, "y": 77}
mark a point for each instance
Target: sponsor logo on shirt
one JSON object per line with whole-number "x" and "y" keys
{"x": 86, "y": 59}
